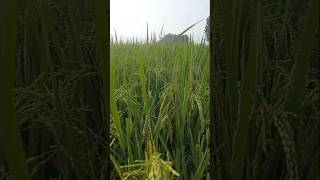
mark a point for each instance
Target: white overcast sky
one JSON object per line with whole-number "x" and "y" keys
{"x": 129, "y": 17}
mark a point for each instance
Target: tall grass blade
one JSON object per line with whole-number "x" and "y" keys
{"x": 9, "y": 129}
{"x": 103, "y": 39}
{"x": 241, "y": 138}
{"x": 188, "y": 28}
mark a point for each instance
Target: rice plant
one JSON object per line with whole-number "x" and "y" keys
{"x": 159, "y": 107}
{"x": 54, "y": 90}
{"x": 265, "y": 95}
{"x": 10, "y": 136}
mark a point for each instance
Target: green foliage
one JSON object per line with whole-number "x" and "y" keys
{"x": 160, "y": 94}
{"x": 57, "y": 93}
{"x": 10, "y": 137}
{"x": 266, "y": 89}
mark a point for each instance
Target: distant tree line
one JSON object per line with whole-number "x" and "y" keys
{"x": 175, "y": 38}
{"x": 207, "y": 29}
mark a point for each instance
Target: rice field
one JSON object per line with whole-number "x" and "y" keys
{"x": 244, "y": 108}
{"x": 159, "y": 105}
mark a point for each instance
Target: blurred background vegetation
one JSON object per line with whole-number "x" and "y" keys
{"x": 265, "y": 89}
{"x": 58, "y": 99}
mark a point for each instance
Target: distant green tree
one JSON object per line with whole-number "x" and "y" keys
{"x": 207, "y": 29}
{"x": 175, "y": 38}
